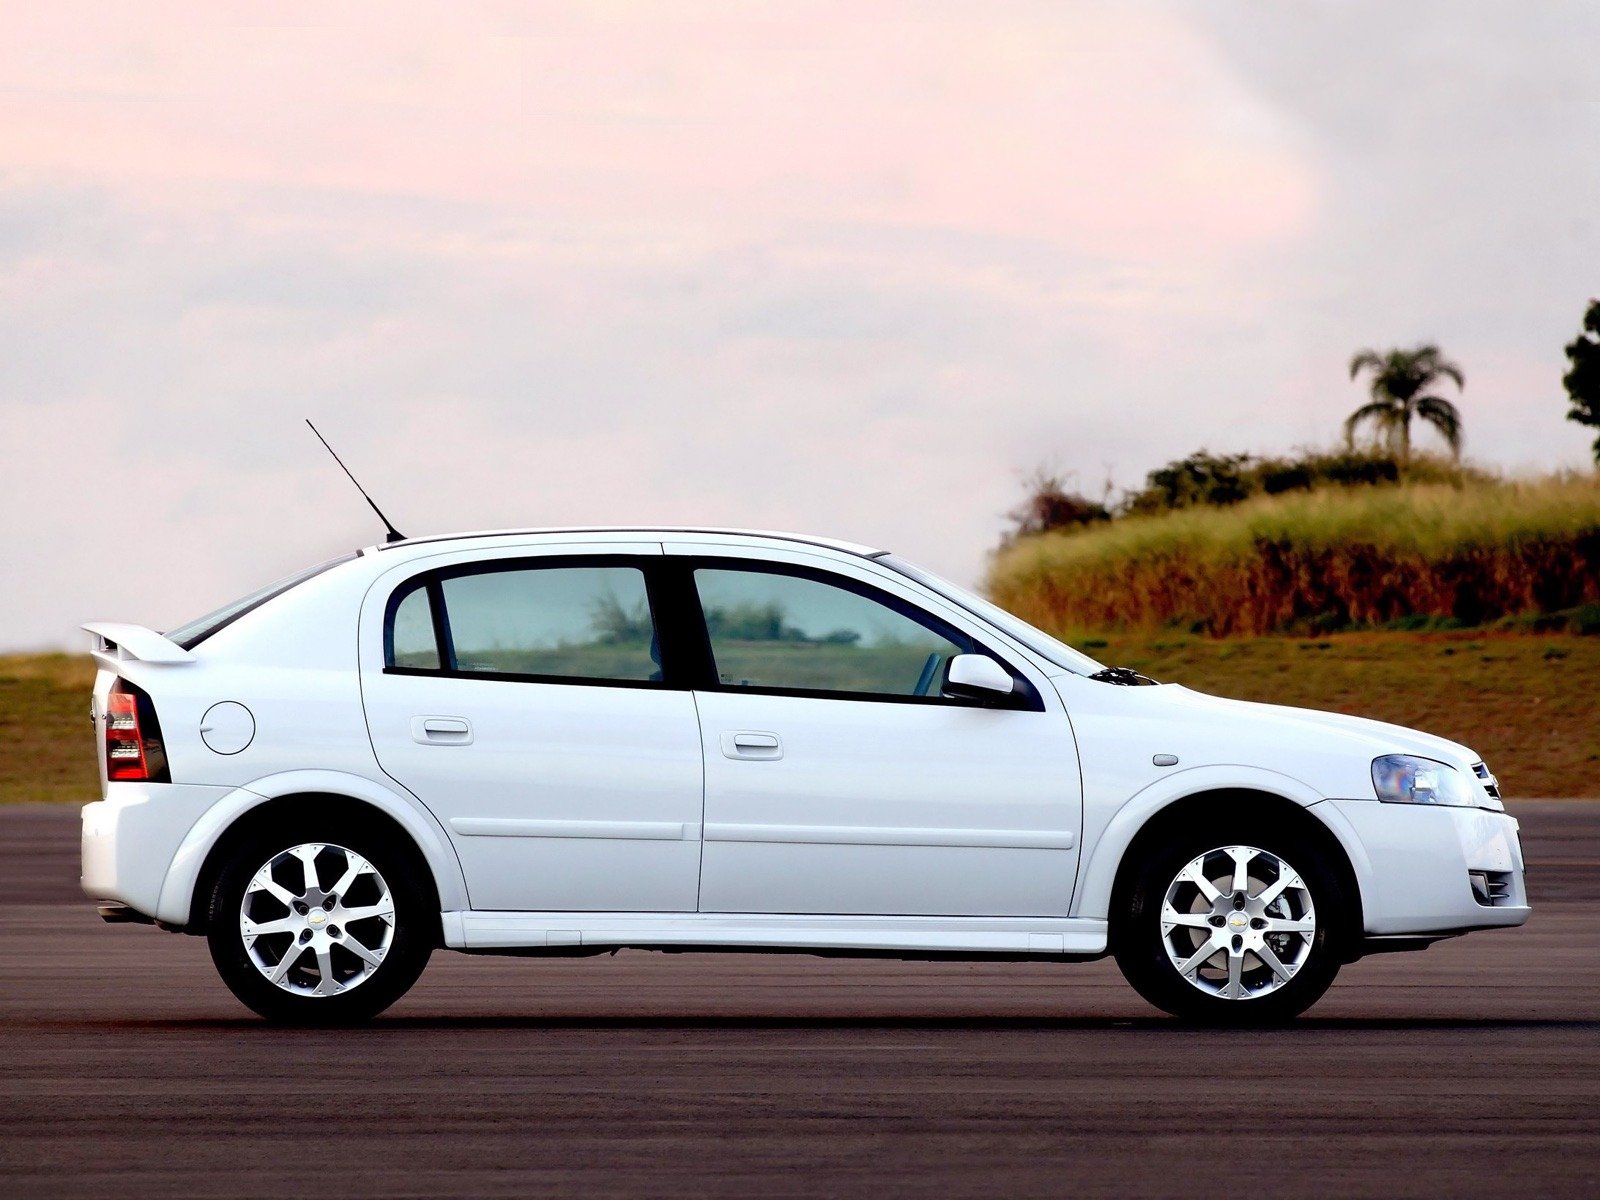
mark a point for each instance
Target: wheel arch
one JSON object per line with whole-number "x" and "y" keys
{"x": 194, "y": 868}
{"x": 1106, "y": 880}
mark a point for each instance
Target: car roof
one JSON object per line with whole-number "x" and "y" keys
{"x": 664, "y": 533}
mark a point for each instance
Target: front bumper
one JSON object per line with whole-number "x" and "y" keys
{"x": 131, "y": 837}
{"x": 1415, "y": 864}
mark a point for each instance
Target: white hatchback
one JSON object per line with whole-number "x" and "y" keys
{"x": 572, "y": 741}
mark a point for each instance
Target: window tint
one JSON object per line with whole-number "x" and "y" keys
{"x": 785, "y": 631}
{"x": 411, "y": 638}
{"x": 573, "y": 622}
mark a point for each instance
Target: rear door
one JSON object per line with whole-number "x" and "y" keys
{"x": 523, "y": 699}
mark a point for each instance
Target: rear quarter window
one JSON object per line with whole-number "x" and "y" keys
{"x": 198, "y": 630}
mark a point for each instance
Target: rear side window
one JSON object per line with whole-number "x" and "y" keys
{"x": 412, "y": 640}
{"x": 557, "y": 622}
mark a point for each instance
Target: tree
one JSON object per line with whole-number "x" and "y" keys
{"x": 1202, "y": 478}
{"x": 1583, "y": 380}
{"x": 1051, "y": 506}
{"x": 1400, "y": 379}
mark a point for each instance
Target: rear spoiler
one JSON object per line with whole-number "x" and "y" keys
{"x": 117, "y": 642}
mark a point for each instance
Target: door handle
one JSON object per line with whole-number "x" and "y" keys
{"x": 441, "y": 731}
{"x": 751, "y": 743}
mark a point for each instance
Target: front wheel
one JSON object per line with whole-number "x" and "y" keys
{"x": 1238, "y": 931}
{"x": 319, "y": 930}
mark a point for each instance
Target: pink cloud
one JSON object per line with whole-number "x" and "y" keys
{"x": 1112, "y": 131}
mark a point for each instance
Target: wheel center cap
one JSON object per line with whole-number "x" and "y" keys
{"x": 317, "y": 916}
{"x": 1238, "y": 922}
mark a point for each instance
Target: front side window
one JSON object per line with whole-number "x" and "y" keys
{"x": 557, "y": 622}
{"x": 795, "y": 633}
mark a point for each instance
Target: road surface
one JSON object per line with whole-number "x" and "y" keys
{"x": 1471, "y": 1068}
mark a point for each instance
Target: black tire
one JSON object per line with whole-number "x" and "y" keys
{"x": 415, "y": 925}
{"x": 1141, "y": 946}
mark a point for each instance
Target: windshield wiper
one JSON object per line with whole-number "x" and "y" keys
{"x": 1123, "y": 677}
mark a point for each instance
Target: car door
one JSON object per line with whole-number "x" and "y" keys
{"x": 524, "y": 700}
{"x": 839, "y": 780}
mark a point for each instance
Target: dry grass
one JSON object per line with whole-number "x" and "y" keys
{"x": 46, "y": 742}
{"x": 1313, "y": 562}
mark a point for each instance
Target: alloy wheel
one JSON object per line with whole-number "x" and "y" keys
{"x": 1238, "y": 923}
{"x": 317, "y": 920}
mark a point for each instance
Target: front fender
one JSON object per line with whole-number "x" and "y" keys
{"x": 1092, "y": 896}
{"x": 177, "y": 891}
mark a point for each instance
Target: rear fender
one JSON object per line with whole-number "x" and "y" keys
{"x": 177, "y": 892}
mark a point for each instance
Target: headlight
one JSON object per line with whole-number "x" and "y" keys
{"x": 1402, "y": 779}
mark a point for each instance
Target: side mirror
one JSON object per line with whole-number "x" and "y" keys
{"x": 977, "y": 677}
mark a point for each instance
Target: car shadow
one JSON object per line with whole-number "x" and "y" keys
{"x": 577, "y": 1023}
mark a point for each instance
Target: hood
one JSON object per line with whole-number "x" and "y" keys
{"x": 1378, "y": 737}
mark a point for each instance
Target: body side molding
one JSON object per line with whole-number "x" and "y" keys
{"x": 859, "y": 835}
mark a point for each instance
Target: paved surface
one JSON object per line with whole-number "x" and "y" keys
{"x": 127, "y": 1070}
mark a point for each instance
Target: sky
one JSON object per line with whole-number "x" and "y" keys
{"x": 852, "y": 269}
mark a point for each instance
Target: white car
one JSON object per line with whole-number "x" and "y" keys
{"x": 572, "y": 741}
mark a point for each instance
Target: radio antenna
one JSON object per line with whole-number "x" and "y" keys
{"x": 394, "y": 534}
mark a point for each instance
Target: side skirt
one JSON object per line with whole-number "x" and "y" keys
{"x": 913, "y": 937}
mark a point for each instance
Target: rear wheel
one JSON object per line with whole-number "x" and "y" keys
{"x": 1240, "y": 930}
{"x": 319, "y": 929}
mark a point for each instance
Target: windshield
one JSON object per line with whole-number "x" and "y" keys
{"x": 198, "y": 630}
{"x": 1050, "y": 649}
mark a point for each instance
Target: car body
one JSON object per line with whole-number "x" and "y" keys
{"x": 569, "y": 741}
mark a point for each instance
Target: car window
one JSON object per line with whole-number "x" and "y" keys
{"x": 411, "y": 634}
{"x": 571, "y": 622}
{"x": 793, "y": 632}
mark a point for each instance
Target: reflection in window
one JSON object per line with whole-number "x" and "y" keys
{"x": 785, "y": 631}
{"x": 566, "y": 622}
{"x": 411, "y": 639}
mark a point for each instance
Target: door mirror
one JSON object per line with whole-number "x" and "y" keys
{"x": 977, "y": 677}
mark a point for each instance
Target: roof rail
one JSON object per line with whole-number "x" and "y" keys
{"x": 647, "y": 530}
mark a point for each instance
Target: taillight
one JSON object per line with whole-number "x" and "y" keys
{"x": 134, "y": 749}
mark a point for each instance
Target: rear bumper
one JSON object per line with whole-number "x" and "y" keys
{"x": 1419, "y": 863}
{"x": 130, "y": 838}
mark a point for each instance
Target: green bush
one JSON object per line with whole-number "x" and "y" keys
{"x": 1222, "y": 480}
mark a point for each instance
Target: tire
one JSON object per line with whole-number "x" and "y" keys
{"x": 373, "y": 940}
{"x": 1302, "y": 929}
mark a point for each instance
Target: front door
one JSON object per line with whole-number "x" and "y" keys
{"x": 838, "y": 780}
{"x": 523, "y": 700}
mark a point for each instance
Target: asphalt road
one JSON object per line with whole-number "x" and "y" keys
{"x": 127, "y": 1070}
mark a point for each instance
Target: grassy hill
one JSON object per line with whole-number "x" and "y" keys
{"x": 1314, "y": 562}
{"x": 1526, "y": 702}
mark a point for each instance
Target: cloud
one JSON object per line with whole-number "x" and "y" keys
{"x": 792, "y": 266}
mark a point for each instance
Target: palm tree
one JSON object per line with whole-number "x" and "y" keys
{"x": 1399, "y": 382}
